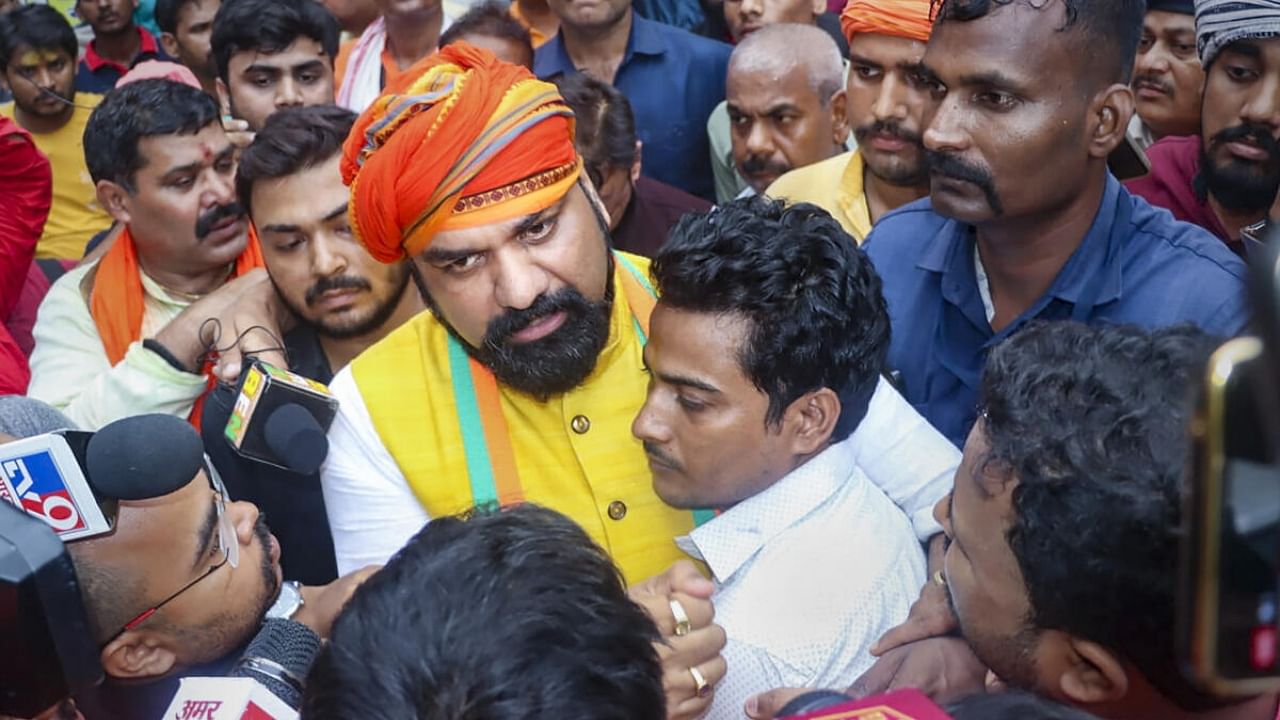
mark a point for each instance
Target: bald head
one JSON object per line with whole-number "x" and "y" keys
{"x": 779, "y": 49}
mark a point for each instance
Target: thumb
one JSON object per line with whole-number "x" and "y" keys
{"x": 766, "y": 706}
{"x": 685, "y": 578}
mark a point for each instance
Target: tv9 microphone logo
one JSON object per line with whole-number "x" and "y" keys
{"x": 33, "y": 483}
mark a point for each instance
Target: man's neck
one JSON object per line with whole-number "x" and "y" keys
{"x": 1232, "y": 220}
{"x": 185, "y": 283}
{"x": 598, "y": 51}
{"x": 413, "y": 36}
{"x": 884, "y": 197}
{"x": 122, "y": 47}
{"x": 43, "y": 124}
{"x": 339, "y": 352}
{"x": 1023, "y": 256}
{"x": 538, "y": 14}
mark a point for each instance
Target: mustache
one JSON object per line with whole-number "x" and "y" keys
{"x": 340, "y": 282}
{"x": 757, "y": 164}
{"x": 1154, "y": 81}
{"x": 1254, "y": 134}
{"x": 890, "y": 128}
{"x": 511, "y": 322}
{"x": 205, "y": 222}
{"x": 656, "y": 453}
{"x": 953, "y": 167}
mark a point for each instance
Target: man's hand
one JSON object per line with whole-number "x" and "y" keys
{"x": 944, "y": 668}
{"x": 699, "y": 648}
{"x": 766, "y": 706}
{"x": 321, "y": 604}
{"x": 237, "y": 131}
{"x": 246, "y": 309}
{"x": 930, "y": 616}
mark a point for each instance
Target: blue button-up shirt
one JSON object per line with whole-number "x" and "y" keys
{"x": 1136, "y": 266}
{"x": 673, "y": 80}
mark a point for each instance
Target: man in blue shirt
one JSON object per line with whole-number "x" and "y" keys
{"x": 1024, "y": 221}
{"x": 672, "y": 78}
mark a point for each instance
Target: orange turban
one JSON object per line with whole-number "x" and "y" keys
{"x": 463, "y": 140}
{"x": 908, "y": 19}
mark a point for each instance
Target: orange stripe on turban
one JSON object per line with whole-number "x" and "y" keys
{"x": 908, "y": 19}
{"x": 464, "y": 140}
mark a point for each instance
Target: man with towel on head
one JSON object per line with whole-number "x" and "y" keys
{"x": 521, "y": 383}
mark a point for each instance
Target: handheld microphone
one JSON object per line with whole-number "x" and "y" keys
{"x": 206, "y": 698}
{"x": 281, "y": 419}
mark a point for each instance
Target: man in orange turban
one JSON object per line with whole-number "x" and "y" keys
{"x": 886, "y": 105}
{"x": 521, "y": 383}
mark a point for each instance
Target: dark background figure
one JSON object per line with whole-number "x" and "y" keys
{"x": 641, "y": 210}
{"x": 489, "y": 25}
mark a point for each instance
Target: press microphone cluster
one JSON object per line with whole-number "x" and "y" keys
{"x": 281, "y": 418}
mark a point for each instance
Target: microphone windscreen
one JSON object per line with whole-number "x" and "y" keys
{"x": 290, "y": 645}
{"x": 143, "y": 457}
{"x": 296, "y": 439}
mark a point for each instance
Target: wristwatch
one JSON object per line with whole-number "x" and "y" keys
{"x": 288, "y": 603}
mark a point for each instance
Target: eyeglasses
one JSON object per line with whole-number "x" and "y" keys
{"x": 226, "y": 543}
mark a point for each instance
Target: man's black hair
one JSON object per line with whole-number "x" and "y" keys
{"x": 489, "y": 19}
{"x": 818, "y": 317}
{"x": 606, "y": 128}
{"x": 505, "y": 614}
{"x": 1092, "y": 423}
{"x": 38, "y": 27}
{"x": 138, "y": 110}
{"x": 292, "y": 140}
{"x": 167, "y": 14}
{"x": 1110, "y": 29}
{"x": 1012, "y": 705}
{"x": 269, "y": 26}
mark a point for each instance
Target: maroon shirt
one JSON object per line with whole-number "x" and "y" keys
{"x": 1171, "y": 184}
{"x": 655, "y": 208}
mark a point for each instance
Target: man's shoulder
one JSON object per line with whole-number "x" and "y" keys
{"x": 681, "y": 39}
{"x": 804, "y": 182}
{"x": 1170, "y": 243}
{"x": 900, "y": 234}
{"x": 669, "y": 200}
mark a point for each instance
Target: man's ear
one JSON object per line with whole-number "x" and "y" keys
{"x": 169, "y": 42}
{"x": 114, "y": 198}
{"x": 138, "y": 654}
{"x": 840, "y": 118}
{"x": 593, "y": 197}
{"x": 638, "y": 164}
{"x": 810, "y": 420}
{"x": 1109, "y": 116}
{"x": 1095, "y": 675}
{"x": 224, "y": 96}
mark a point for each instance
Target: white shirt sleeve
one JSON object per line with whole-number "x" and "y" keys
{"x": 70, "y": 370}
{"x": 909, "y": 460}
{"x": 372, "y": 511}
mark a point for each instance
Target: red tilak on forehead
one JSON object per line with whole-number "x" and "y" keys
{"x": 206, "y": 153}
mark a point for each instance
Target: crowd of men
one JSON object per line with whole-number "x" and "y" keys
{"x": 811, "y": 345}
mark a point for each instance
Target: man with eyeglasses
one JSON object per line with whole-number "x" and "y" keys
{"x": 186, "y": 577}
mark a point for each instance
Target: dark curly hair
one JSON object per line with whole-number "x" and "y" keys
{"x": 812, "y": 297}
{"x": 1113, "y": 27}
{"x": 501, "y": 614}
{"x": 1092, "y": 423}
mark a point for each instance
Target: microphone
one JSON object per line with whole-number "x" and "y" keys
{"x": 208, "y": 698}
{"x": 280, "y": 657}
{"x": 49, "y": 653}
{"x": 281, "y": 419}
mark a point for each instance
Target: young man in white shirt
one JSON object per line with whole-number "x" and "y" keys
{"x": 765, "y": 356}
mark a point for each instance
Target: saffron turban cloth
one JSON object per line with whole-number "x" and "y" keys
{"x": 463, "y": 140}
{"x": 1222, "y": 22}
{"x": 910, "y": 19}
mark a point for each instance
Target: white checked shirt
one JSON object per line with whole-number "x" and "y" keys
{"x": 809, "y": 574}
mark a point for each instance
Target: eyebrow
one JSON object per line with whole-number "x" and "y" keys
{"x": 681, "y": 380}
{"x": 781, "y": 108}
{"x": 990, "y": 79}
{"x": 195, "y": 166}
{"x": 285, "y": 228}
{"x": 205, "y": 536}
{"x": 1244, "y": 47}
{"x": 276, "y": 69}
{"x": 433, "y": 255}
{"x": 859, "y": 59}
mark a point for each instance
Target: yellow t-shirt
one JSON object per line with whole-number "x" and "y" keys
{"x": 835, "y": 185}
{"x": 75, "y": 215}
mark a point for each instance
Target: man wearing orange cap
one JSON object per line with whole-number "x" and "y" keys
{"x": 886, "y": 103}
{"x": 522, "y": 382}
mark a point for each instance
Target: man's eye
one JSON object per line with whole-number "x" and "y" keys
{"x": 463, "y": 264}
{"x": 1145, "y": 44}
{"x": 690, "y": 405}
{"x": 309, "y": 78}
{"x": 996, "y": 100}
{"x": 867, "y": 73}
{"x": 1241, "y": 74}
{"x": 260, "y": 81}
{"x": 537, "y": 231}
{"x": 183, "y": 183}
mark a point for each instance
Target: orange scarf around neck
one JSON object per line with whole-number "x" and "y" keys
{"x": 117, "y": 302}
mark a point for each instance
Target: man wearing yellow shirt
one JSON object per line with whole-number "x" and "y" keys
{"x": 38, "y": 59}
{"x": 887, "y": 99}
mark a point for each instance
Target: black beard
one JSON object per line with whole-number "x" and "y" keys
{"x": 372, "y": 322}
{"x": 1241, "y": 186}
{"x": 552, "y": 365}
